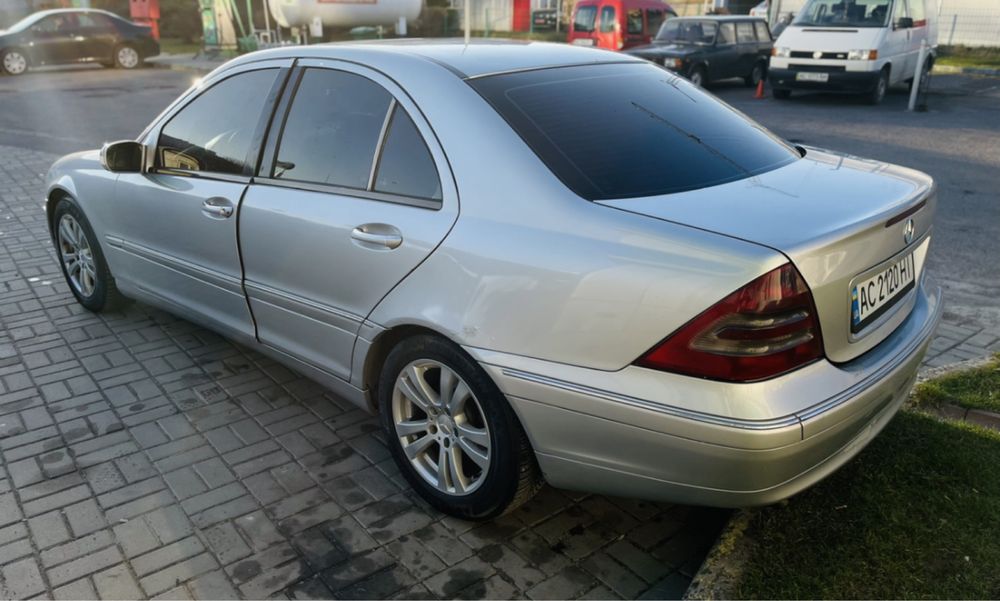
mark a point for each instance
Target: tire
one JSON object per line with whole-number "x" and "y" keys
{"x": 698, "y": 77}
{"x": 780, "y": 94}
{"x": 91, "y": 283}
{"x": 877, "y": 93}
{"x": 505, "y": 475}
{"x": 755, "y": 76}
{"x": 127, "y": 57}
{"x": 13, "y": 61}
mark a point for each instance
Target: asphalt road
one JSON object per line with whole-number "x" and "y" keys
{"x": 957, "y": 141}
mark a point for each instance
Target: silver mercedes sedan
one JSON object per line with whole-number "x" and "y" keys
{"x": 534, "y": 262}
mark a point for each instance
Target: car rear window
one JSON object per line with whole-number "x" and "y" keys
{"x": 630, "y": 130}
{"x": 585, "y": 17}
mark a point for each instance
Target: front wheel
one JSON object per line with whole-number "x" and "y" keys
{"x": 127, "y": 57}
{"x": 451, "y": 431}
{"x": 698, "y": 77}
{"x": 13, "y": 61}
{"x": 82, "y": 260}
{"x": 881, "y": 86}
{"x": 755, "y": 76}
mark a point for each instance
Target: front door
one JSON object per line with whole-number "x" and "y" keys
{"x": 54, "y": 39}
{"x": 607, "y": 27}
{"x": 897, "y": 43}
{"x": 173, "y": 229}
{"x": 349, "y": 200}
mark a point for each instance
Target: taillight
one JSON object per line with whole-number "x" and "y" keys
{"x": 764, "y": 329}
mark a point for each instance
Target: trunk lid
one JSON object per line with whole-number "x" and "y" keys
{"x": 839, "y": 219}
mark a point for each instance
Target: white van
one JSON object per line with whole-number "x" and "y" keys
{"x": 852, "y": 46}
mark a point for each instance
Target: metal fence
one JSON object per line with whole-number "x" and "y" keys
{"x": 969, "y": 23}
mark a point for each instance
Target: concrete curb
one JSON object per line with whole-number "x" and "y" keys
{"x": 953, "y": 70}
{"x": 724, "y": 564}
{"x": 192, "y": 65}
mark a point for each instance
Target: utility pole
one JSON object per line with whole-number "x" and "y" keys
{"x": 468, "y": 12}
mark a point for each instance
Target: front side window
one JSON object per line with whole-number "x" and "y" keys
{"x": 846, "y": 13}
{"x": 630, "y": 130}
{"x": 727, "y": 34}
{"x": 57, "y": 23}
{"x": 745, "y": 33}
{"x": 607, "y": 19}
{"x": 634, "y": 21}
{"x": 584, "y": 20}
{"x": 762, "y": 33}
{"x": 332, "y": 130}
{"x": 215, "y": 131}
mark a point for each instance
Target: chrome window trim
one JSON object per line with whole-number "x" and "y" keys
{"x": 410, "y": 201}
{"x": 380, "y": 145}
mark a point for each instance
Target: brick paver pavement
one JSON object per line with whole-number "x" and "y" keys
{"x": 143, "y": 456}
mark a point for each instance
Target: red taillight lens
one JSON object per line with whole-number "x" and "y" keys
{"x": 762, "y": 330}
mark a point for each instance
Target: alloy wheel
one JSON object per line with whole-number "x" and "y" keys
{"x": 441, "y": 427}
{"x": 128, "y": 58}
{"x": 15, "y": 63}
{"x": 77, "y": 256}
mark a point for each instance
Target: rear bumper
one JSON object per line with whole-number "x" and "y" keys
{"x": 600, "y": 441}
{"x": 839, "y": 81}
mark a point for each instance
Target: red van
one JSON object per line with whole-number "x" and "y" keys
{"x": 617, "y": 24}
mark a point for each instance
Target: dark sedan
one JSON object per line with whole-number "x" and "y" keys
{"x": 704, "y": 49}
{"x": 55, "y": 37}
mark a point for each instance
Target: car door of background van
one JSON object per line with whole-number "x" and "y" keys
{"x": 897, "y": 44}
{"x": 172, "y": 230}
{"x": 353, "y": 193}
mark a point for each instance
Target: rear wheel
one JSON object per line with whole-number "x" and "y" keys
{"x": 82, "y": 261}
{"x": 127, "y": 57}
{"x": 451, "y": 431}
{"x": 780, "y": 94}
{"x": 13, "y": 61}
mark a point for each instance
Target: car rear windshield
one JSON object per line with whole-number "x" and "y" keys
{"x": 630, "y": 130}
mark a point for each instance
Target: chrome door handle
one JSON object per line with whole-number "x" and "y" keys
{"x": 377, "y": 234}
{"x": 218, "y": 208}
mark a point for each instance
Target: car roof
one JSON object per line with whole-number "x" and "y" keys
{"x": 55, "y": 11}
{"x": 476, "y": 59}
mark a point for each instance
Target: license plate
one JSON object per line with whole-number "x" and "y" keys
{"x": 809, "y": 76}
{"x": 873, "y": 296}
{"x": 583, "y": 42}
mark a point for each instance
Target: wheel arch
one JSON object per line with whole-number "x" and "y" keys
{"x": 56, "y": 193}
{"x": 379, "y": 350}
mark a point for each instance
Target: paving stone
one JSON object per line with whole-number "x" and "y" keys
{"x": 358, "y": 568}
{"x": 569, "y": 583}
{"x": 671, "y": 587}
{"x": 226, "y": 543}
{"x": 78, "y": 590}
{"x": 178, "y": 572}
{"x": 117, "y": 583}
{"x": 84, "y": 565}
{"x": 458, "y": 577}
{"x": 21, "y": 579}
{"x": 48, "y": 529}
{"x": 214, "y": 585}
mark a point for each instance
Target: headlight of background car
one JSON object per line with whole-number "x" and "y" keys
{"x": 673, "y": 63}
{"x": 862, "y": 55}
{"x": 781, "y": 52}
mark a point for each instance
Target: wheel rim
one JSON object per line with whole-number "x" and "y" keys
{"x": 758, "y": 73}
{"x": 441, "y": 427}
{"x": 696, "y": 78}
{"x": 77, "y": 258}
{"x": 128, "y": 57}
{"x": 15, "y": 63}
{"x": 880, "y": 92}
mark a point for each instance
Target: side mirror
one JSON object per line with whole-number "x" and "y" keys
{"x": 123, "y": 156}
{"x": 904, "y": 23}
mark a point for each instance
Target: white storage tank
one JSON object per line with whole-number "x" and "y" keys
{"x": 343, "y": 13}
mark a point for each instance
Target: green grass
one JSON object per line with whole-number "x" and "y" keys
{"x": 178, "y": 46}
{"x": 965, "y": 56}
{"x": 915, "y": 515}
{"x": 975, "y": 389}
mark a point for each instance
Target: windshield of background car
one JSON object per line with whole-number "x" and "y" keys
{"x": 584, "y": 20}
{"x": 679, "y": 31}
{"x": 844, "y": 13}
{"x": 629, "y": 130}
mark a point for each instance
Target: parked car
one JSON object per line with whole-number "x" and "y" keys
{"x": 861, "y": 46}
{"x": 61, "y": 36}
{"x": 704, "y": 49}
{"x": 617, "y": 24}
{"x": 667, "y": 302}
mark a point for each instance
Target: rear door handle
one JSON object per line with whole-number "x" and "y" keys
{"x": 379, "y": 235}
{"x": 217, "y": 208}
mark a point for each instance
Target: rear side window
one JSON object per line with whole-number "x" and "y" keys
{"x": 607, "y": 19}
{"x": 215, "y": 131}
{"x": 762, "y": 33}
{"x": 585, "y": 17}
{"x": 332, "y": 130}
{"x": 654, "y": 18}
{"x": 620, "y": 131}
{"x": 634, "y": 20}
{"x": 745, "y": 33}
{"x": 405, "y": 166}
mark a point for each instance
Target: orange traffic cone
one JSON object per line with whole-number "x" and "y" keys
{"x": 760, "y": 89}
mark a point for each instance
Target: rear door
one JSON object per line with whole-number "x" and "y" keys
{"x": 98, "y": 36}
{"x": 607, "y": 27}
{"x": 635, "y": 29}
{"x": 353, "y": 193}
{"x": 724, "y": 61}
{"x": 747, "y": 47}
